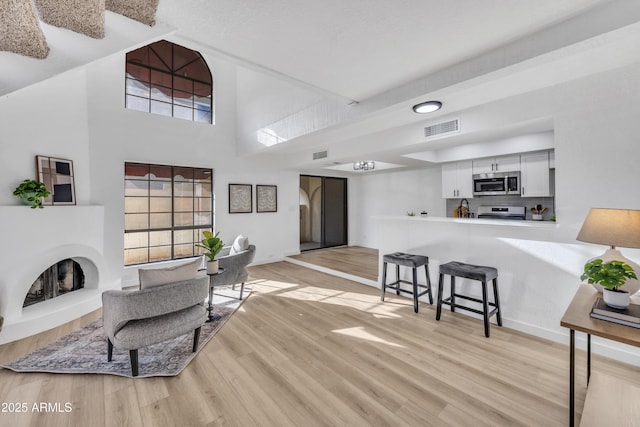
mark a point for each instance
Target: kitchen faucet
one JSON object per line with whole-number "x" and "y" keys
{"x": 463, "y": 214}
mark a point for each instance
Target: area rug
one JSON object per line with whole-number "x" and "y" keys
{"x": 84, "y": 351}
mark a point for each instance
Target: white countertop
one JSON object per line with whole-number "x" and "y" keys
{"x": 473, "y": 221}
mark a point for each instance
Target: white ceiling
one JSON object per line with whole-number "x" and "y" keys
{"x": 360, "y": 48}
{"x": 384, "y": 54}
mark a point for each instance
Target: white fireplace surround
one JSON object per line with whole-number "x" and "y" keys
{"x": 32, "y": 241}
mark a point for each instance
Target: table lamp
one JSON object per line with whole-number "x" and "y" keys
{"x": 614, "y": 227}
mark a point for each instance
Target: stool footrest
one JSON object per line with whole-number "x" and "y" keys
{"x": 396, "y": 287}
{"x": 447, "y": 301}
{"x": 470, "y": 299}
{"x": 397, "y": 282}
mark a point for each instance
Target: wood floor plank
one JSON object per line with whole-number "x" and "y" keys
{"x": 312, "y": 349}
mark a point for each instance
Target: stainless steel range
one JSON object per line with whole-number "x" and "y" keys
{"x": 502, "y": 212}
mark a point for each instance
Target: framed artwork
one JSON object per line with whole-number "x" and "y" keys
{"x": 266, "y": 198}
{"x": 57, "y": 176}
{"x": 240, "y": 198}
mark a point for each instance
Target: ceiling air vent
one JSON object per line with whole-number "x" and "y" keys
{"x": 319, "y": 155}
{"x": 441, "y": 128}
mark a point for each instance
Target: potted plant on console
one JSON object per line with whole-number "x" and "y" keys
{"x": 31, "y": 193}
{"x": 213, "y": 244}
{"x": 611, "y": 276}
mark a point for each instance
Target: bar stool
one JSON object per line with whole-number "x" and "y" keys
{"x": 473, "y": 272}
{"x": 407, "y": 260}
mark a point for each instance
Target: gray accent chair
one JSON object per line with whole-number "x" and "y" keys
{"x": 134, "y": 319}
{"x": 235, "y": 267}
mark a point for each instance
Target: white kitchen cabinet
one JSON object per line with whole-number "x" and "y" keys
{"x": 534, "y": 175}
{"x": 457, "y": 180}
{"x": 497, "y": 164}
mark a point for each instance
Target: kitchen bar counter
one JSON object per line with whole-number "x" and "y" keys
{"x": 475, "y": 221}
{"x": 539, "y": 265}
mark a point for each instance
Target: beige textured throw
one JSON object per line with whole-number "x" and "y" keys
{"x": 82, "y": 16}
{"x": 140, "y": 10}
{"x": 21, "y": 31}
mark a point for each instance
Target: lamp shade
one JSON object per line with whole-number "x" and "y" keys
{"x": 612, "y": 227}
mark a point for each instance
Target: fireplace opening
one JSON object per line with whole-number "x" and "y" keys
{"x": 59, "y": 279}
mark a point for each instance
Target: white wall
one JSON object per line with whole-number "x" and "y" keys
{"x": 44, "y": 119}
{"x": 391, "y": 193}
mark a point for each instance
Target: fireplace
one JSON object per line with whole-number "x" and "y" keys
{"x": 60, "y": 233}
{"x": 62, "y": 277}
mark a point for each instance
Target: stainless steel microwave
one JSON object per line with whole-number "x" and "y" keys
{"x": 497, "y": 183}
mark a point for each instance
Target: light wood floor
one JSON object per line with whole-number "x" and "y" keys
{"x": 356, "y": 260}
{"x": 309, "y": 349}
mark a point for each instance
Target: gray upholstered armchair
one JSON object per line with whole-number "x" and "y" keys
{"x": 134, "y": 319}
{"x": 235, "y": 267}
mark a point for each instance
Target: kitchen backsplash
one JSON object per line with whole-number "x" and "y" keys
{"x": 528, "y": 202}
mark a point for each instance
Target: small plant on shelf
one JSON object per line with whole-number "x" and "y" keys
{"x": 31, "y": 193}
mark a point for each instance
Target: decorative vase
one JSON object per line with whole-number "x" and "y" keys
{"x": 29, "y": 199}
{"x": 212, "y": 267}
{"x": 616, "y": 298}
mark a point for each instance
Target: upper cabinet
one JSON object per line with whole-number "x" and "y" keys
{"x": 535, "y": 175}
{"x": 457, "y": 180}
{"x": 497, "y": 164}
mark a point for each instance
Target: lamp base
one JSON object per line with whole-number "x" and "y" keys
{"x": 632, "y": 285}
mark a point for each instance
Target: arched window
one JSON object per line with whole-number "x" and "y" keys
{"x": 168, "y": 79}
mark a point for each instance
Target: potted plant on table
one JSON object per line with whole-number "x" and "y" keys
{"x": 31, "y": 193}
{"x": 611, "y": 276}
{"x": 213, "y": 244}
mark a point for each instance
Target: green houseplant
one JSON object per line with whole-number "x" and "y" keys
{"x": 31, "y": 193}
{"x": 213, "y": 244}
{"x": 611, "y": 276}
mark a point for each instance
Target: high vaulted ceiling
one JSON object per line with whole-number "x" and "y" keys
{"x": 360, "y": 48}
{"x": 357, "y": 66}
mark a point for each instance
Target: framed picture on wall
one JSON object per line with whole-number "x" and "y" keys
{"x": 57, "y": 175}
{"x": 266, "y": 198}
{"x": 240, "y": 198}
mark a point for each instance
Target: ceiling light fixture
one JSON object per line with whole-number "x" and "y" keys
{"x": 427, "y": 107}
{"x": 364, "y": 165}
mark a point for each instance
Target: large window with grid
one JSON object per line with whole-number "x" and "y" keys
{"x": 170, "y": 80}
{"x": 166, "y": 209}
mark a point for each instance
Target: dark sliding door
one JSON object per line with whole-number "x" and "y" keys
{"x": 334, "y": 208}
{"x": 323, "y": 212}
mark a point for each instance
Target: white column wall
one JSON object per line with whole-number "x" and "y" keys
{"x": 392, "y": 193}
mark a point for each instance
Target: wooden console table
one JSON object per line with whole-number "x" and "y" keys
{"x": 577, "y": 318}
